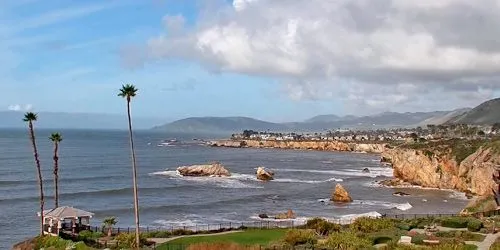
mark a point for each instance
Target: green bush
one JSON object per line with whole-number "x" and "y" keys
{"x": 346, "y": 241}
{"x": 159, "y": 234}
{"x": 474, "y": 225}
{"x": 418, "y": 239}
{"x": 296, "y": 237}
{"x": 322, "y": 227}
{"x": 87, "y": 235}
{"x": 404, "y": 226}
{"x": 419, "y": 222}
{"x": 127, "y": 240}
{"x": 368, "y": 225}
{"x": 381, "y": 239}
{"x": 52, "y": 242}
{"x": 455, "y": 222}
{"x": 182, "y": 232}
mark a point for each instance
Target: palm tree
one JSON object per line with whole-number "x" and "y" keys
{"x": 56, "y": 138}
{"x": 30, "y": 117}
{"x": 128, "y": 91}
{"x": 109, "y": 222}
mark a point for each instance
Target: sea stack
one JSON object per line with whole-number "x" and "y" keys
{"x": 215, "y": 169}
{"x": 264, "y": 175}
{"x": 340, "y": 194}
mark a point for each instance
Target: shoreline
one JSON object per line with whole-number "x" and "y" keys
{"x": 331, "y": 146}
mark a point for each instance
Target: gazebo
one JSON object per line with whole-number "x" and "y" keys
{"x": 66, "y": 219}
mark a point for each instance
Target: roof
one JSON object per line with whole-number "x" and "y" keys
{"x": 66, "y": 212}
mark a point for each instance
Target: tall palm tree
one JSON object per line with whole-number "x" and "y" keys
{"x": 30, "y": 117}
{"x": 128, "y": 91}
{"x": 108, "y": 223}
{"x": 56, "y": 138}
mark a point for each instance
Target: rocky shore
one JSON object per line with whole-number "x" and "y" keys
{"x": 440, "y": 168}
{"x": 303, "y": 145}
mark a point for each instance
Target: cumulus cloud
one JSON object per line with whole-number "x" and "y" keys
{"x": 377, "y": 53}
{"x": 19, "y": 107}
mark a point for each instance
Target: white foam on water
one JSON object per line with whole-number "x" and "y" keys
{"x": 374, "y": 172}
{"x": 306, "y": 181}
{"x": 349, "y": 218}
{"x": 176, "y": 223}
{"x": 327, "y": 162}
{"x": 235, "y": 181}
{"x": 379, "y": 204}
{"x": 297, "y": 221}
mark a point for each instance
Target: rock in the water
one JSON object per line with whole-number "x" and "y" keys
{"x": 214, "y": 169}
{"x": 366, "y": 170}
{"x": 340, "y": 194}
{"x": 288, "y": 215}
{"x": 264, "y": 175}
{"x": 263, "y": 216}
{"x": 400, "y": 194}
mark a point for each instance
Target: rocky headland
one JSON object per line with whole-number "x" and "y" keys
{"x": 466, "y": 166}
{"x": 303, "y": 145}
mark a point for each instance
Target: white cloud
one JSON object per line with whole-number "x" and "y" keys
{"x": 20, "y": 107}
{"x": 368, "y": 50}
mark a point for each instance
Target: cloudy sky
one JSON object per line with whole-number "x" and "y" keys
{"x": 279, "y": 60}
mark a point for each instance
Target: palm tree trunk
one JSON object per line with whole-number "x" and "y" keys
{"x": 56, "y": 176}
{"x": 134, "y": 176}
{"x": 39, "y": 170}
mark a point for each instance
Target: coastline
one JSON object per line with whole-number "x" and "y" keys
{"x": 333, "y": 146}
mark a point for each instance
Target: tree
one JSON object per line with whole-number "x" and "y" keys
{"x": 31, "y": 117}
{"x": 128, "y": 91}
{"x": 56, "y": 138}
{"x": 109, "y": 222}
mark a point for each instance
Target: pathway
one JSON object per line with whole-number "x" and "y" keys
{"x": 486, "y": 243}
{"x": 163, "y": 240}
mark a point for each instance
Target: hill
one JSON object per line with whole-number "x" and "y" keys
{"x": 226, "y": 125}
{"x": 219, "y": 125}
{"x": 485, "y": 113}
{"x": 13, "y": 119}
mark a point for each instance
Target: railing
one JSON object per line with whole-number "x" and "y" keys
{"x": 264, "y": 224}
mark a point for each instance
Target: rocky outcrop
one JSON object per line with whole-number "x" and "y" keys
{"x": 264, "y": 175}
{"x": 304, "y": 145}
{"x": 441, "y": 170}
{"x": 288, "y": 215}
{"x": 214, "y": 169}
{"x": 340, "y": 194}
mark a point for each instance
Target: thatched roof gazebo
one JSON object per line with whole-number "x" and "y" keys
{"x": 66, "y": 219}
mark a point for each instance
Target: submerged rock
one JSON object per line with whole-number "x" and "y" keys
{"x": 214, "y": 169}
{"x": 340, "y": 194}
{"x": 288, "y": 215}
{"x": 264, "y": 175}
{"x": 400, "y": 194}
{"x": 263, "y": 216}
{"x": 366, "y": 170}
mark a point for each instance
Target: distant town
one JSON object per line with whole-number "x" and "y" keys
{"x": 430, "y": 132}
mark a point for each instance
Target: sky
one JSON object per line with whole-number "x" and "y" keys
{"x": 278, "y": 60}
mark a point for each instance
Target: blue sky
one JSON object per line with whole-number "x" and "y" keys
{"x": 61, "y": 55}
{"x": 258, "y": 58}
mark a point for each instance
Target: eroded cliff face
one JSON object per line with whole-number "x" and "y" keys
{"x": 311, "y": 145}
{"x": 426, "y": 169}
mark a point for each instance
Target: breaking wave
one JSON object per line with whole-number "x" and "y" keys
{"x": 373, "y": 172}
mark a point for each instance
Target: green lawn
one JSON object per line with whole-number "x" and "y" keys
{"x": 248, "y": 237}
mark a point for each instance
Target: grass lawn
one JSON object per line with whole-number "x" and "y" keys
{"x": 248, "y": 237}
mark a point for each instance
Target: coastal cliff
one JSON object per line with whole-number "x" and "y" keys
{"x": 306, "y": 145}
{"x": 447, "y": 166}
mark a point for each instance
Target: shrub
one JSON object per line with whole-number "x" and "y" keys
{"x": 346, "y": 241}
{"x": 218, "y": 246}
{"x": 127, "y": 240}
{"x": 419, "y": 222}
{"x": 87, "y": 235}
{"x": 322, "y": 227}
{"x": 159, "y": 234}
{"x": 381, "y": 239}
{"x": 474, "y": 225}
{"x": 455, "y": 222}
{"x": 368, "y": 225}
{"x": 182, "y": 232}
{"x": 296, "y": 237}
{"x": 418, "y": 239}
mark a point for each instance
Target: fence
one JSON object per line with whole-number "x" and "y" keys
{"x": 267, "y": 224}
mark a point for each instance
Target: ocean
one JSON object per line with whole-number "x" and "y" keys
{"x": 95, "y": 175}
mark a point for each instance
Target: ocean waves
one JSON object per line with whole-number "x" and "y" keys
{"x": 373, "y": 172}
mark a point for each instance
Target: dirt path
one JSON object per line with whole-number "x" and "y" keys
{"x": 163, "y": 240}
